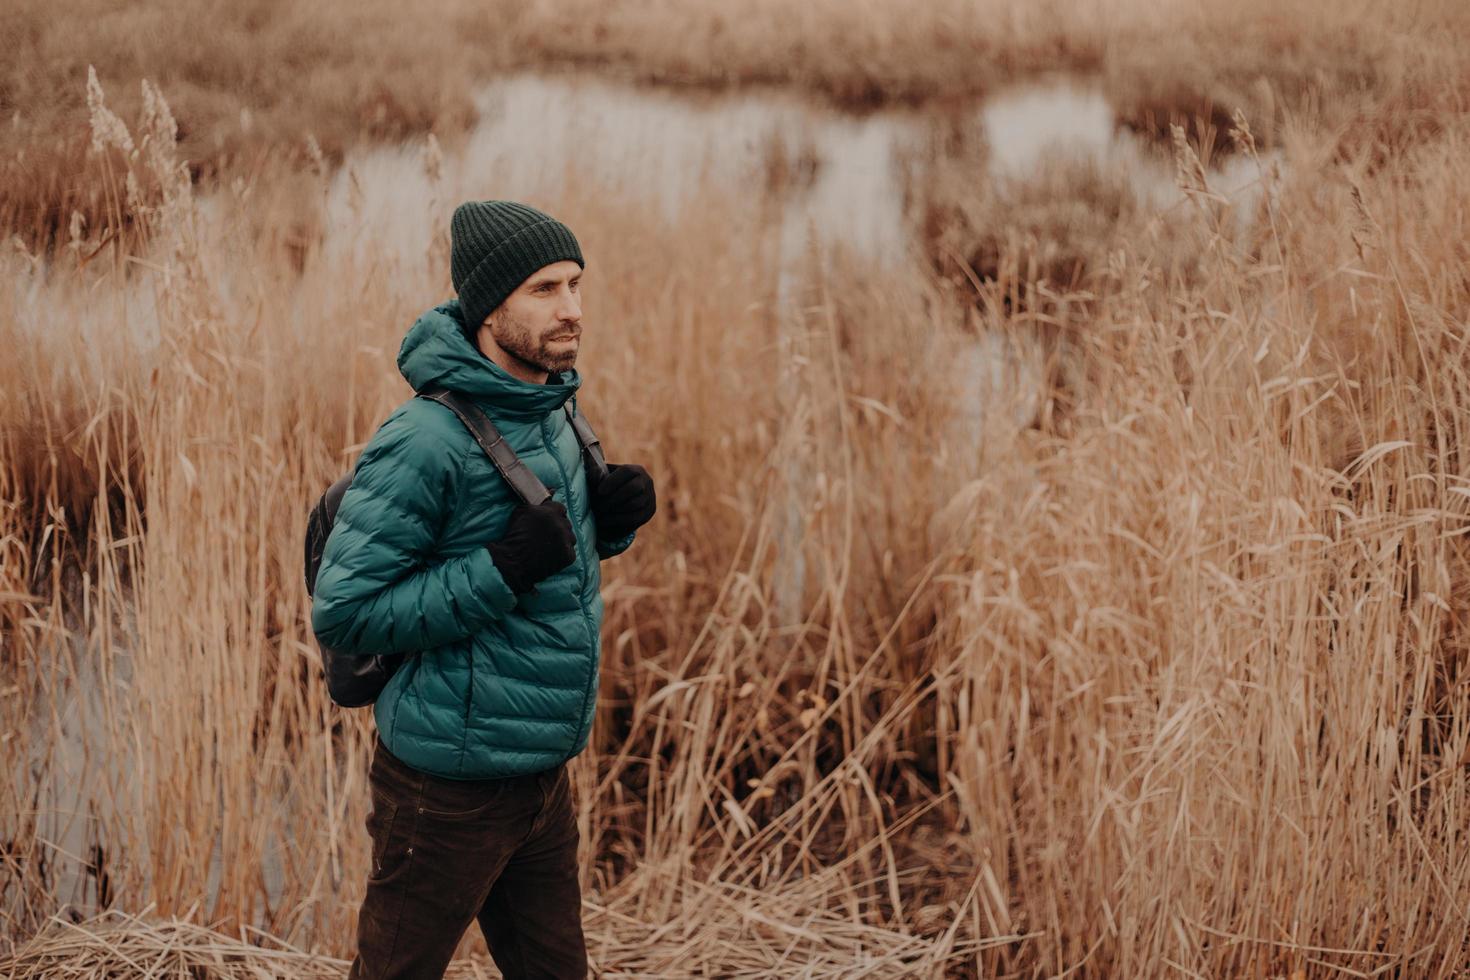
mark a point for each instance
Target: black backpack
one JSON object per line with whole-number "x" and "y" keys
{"x": 352, "y": 680}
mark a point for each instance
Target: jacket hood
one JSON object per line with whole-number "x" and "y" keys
{"x": 435, "y": 350}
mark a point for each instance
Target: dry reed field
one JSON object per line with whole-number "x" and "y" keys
{"x": 1081, "y": 591}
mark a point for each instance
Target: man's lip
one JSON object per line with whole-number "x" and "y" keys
{"x": 574, "y": 336}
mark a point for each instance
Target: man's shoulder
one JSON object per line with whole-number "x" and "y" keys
{"x": 428, "y": 419}
{"x": 423, "y": 428}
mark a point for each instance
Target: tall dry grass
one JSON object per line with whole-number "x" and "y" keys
{"x": 1153, "y": 668}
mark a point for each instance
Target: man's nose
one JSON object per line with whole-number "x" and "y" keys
{"x": 571, "y": 306}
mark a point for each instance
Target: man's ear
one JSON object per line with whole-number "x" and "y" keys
{"x": 474, "y": 336}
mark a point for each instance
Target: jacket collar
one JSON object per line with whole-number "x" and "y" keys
{"x": 435, "y": 350}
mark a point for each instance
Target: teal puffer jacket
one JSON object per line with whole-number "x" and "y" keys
{"x": 498, "y": 684}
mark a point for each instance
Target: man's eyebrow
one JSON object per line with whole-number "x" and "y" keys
{"x": 552, "y": 282}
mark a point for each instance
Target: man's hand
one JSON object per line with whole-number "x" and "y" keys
{"x": 622, "y": 501}
{"x": 538, "y": 542}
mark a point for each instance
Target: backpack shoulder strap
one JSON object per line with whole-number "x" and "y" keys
{"x": 594, "y": 460}
{"x": 522, "y": 480}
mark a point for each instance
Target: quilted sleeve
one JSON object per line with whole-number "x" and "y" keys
{"x": 611, "y": 549}
{"x": 380, "y": 589}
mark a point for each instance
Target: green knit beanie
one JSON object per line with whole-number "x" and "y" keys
{"x": 494, "y": 246}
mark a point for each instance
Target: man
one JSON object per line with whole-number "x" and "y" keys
{"x": 472, "y": 814}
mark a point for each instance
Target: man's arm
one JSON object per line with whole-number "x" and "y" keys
{"x": 611, "y": 549}
{"x": 379, "y": 590}
{"x": 622, "y": 501}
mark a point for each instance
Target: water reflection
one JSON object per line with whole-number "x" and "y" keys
{"x": 830, "y": 174}
{"x": 85, "y": 782}
{"x": 1030, "y": 125}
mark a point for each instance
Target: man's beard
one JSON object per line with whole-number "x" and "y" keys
{"x": 517, "y": 340}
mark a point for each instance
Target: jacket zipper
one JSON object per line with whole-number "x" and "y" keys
{"x": 582, "y": 586}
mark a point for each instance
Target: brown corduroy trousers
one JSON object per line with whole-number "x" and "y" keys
{"x": 446, "y": 852}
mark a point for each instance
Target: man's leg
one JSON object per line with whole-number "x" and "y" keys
{"x": 437, "y": 846}
{"x": 532, "y": 918}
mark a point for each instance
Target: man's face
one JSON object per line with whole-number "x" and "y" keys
{"x": 538, "y": 328}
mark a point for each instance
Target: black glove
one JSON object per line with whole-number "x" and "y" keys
{"x": 622, "y": 501}
{"x": 538, "y": 542}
